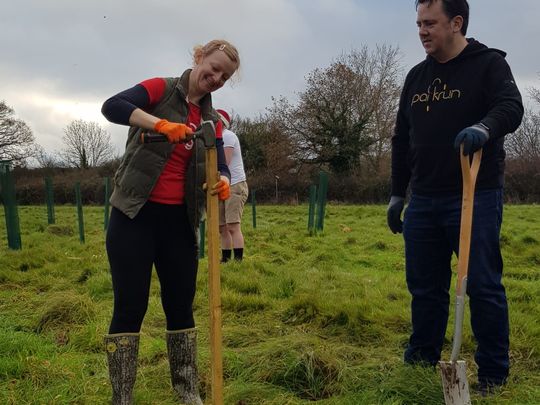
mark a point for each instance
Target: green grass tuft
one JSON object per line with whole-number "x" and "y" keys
{"x": 63, "y": 310}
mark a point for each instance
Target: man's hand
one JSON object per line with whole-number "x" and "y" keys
{"x": 472, "y": 138}
{"x": 393, "y": 214}
{"x": 221, "y": 188}
{"x": 174, "y": 131}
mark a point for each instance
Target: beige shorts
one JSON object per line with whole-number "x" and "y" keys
{"x": 231, "y": 210}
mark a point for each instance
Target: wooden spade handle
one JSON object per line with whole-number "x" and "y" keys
{"x": 469, "y": 173}
{"x": 214, "y": 284}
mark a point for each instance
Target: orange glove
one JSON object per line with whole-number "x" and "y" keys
{"x": 222, "y": 188}
{"x": 174, "y": 131}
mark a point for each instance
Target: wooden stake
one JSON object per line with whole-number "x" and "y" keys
{"x": 214, "y": 288}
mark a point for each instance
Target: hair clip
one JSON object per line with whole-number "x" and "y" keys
{"x": 222, "y": 47}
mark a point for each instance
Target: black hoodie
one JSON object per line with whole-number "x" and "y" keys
{"x": 440, "y": 99}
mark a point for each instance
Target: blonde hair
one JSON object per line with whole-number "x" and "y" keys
{"x": 217, "y": 45}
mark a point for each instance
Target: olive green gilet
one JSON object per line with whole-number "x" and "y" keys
{"x": 142, "y": 164}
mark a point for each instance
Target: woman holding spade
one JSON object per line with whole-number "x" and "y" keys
{"x": 158, "y": 201}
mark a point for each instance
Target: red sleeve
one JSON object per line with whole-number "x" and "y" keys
{"x": 219, "y": 130}
{"x": 155, "y": 88}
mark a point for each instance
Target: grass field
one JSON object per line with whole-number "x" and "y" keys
{"x": 306, "y": 318}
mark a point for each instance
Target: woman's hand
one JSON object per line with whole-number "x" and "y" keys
{"x": 221, "y": 188}
{"x": 174, "y": 131}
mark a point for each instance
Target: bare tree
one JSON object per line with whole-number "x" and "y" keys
{"x": 385, "y": 101}
{"x": 524, "y": 143}
{"x": 44, "y": 159}
{"x": 86, "y": 145}
{"x": 522, "y": 174}
{"x": 16, "y": 138}
{"x": 346, "y": 112}
{"x": 535, "y": 94}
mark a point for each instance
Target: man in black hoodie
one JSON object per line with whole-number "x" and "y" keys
{"x": 462, "y": 93}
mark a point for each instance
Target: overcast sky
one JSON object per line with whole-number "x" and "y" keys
{"x": 60, "y": 59}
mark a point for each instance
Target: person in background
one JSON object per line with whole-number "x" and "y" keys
{"x": 230, "y": 211}
{"x": 462, "y": 94}
{"x": 158, "y": 201}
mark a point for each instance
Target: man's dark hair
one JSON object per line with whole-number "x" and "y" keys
{"x": 452, "y": 8}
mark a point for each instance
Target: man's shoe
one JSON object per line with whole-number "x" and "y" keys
{"x": 487, "y": 388}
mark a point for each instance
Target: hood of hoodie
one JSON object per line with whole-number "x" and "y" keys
{"x": 473, "y": 48}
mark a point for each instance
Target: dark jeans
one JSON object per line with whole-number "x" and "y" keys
{"x": 159, "y": 235}
{"x": 431, "y": 233}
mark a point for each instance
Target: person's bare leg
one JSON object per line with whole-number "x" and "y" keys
{"x": 226, "y": 243}
{"x": 237, "y": 237}
{"x": 226, "y": 237}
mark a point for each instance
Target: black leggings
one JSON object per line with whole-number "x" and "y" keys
{"x": 159, "y": 235}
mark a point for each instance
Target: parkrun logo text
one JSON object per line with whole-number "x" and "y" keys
{"x": 437, "y": 91}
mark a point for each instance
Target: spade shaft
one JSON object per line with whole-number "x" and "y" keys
{"x": 454, "y": 372}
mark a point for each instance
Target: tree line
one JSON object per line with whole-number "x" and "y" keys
{"x": 341, "y": 122}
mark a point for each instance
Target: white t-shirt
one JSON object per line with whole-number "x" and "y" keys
{"x": 236, "y": 166}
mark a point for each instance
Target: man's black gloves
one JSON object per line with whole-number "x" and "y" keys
{"x": 393, "y": 214}
{"x": 472, "y": 138}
